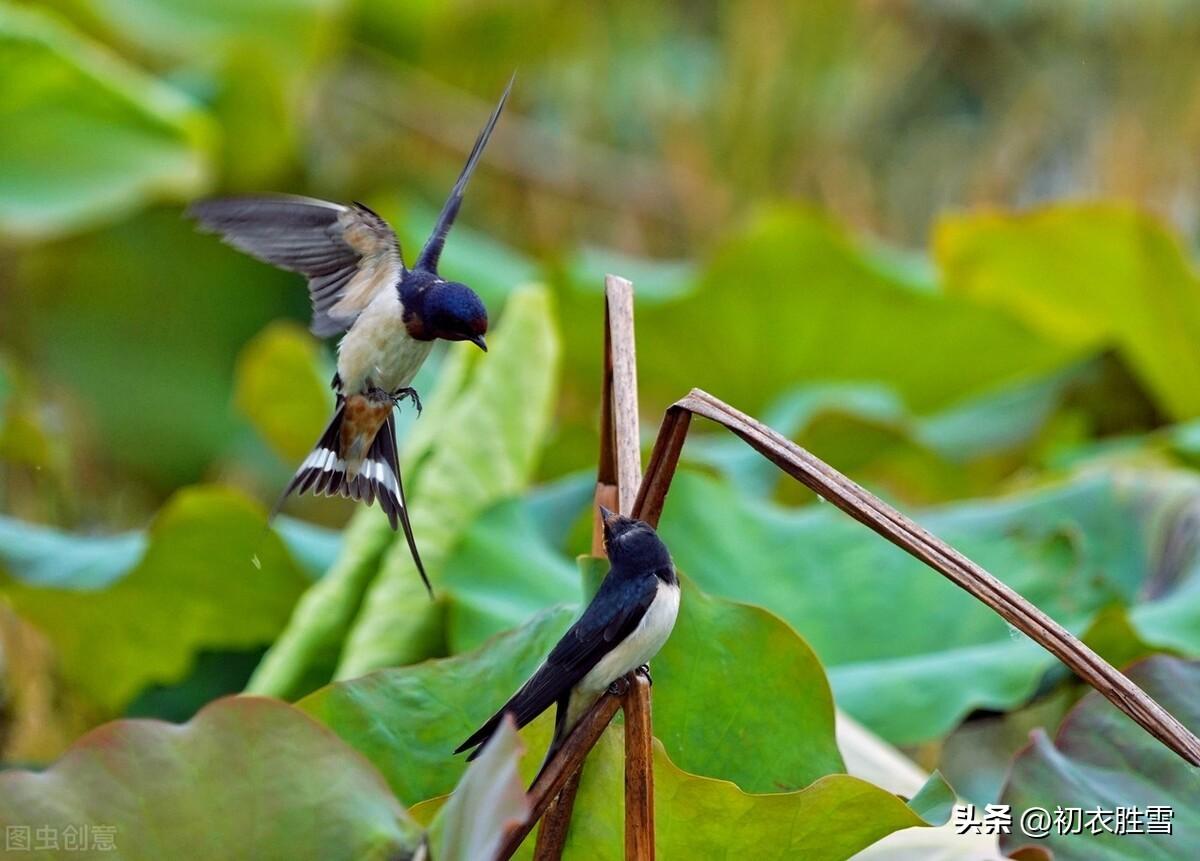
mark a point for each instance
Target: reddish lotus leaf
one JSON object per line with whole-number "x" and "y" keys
{"x": 1100, "y": 761}
{"x": 248, "y": 777}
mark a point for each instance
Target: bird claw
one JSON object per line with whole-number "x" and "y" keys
{"x": 644, "y": 671}
{"x": 411, "y": 394}
{"x": 619, "y": 687}
{"x": 374, "y": 393}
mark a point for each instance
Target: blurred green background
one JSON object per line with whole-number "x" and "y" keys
{"x": 947, "y": 246}
{"x": 889, "y": 196}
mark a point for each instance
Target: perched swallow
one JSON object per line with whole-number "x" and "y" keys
{"x": 391, "y": 315}
{"x": 621, "y": 630}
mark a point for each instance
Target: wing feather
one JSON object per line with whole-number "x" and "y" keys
{"x": 348, "y": 253}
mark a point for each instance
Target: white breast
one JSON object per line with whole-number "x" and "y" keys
{"x": 640, "y": 646}
{"x": 379, "y": 348}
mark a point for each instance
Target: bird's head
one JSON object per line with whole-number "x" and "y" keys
{"x": 454, "y": 312}
{"x": 632, "y": 543}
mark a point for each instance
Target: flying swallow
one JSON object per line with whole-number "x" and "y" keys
{"x": 621, "y": 630}
{"x": 390, "y": 316}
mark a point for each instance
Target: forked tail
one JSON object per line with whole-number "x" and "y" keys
{"x": 324, "y": 472}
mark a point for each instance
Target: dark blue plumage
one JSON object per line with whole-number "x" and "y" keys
{"x": 622, "y": 628}
{"x": 447, "y": 310}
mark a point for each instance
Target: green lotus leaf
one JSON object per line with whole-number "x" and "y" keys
{"x": 924, "y": 653}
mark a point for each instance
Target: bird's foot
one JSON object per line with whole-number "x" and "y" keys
{"x": 411, "y": 394}
{"x": 619, "y": 687}
{"x": 644, "y": 670}
{"x": 375, "y": 394}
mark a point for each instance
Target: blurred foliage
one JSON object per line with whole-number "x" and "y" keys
{"x": 89, "y": 136}
{"x": 639, "y": 141}
{"x": 270, "y": 375}
{"x": 1085, "y": 277}
{"x": 847, "y": 218}
{"x": 108, "y": 642}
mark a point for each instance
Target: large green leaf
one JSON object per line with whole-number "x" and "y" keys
{"x": 924, "y": 653}
{"x": 739, "y": 696}
{"x": 212, "y": 576}
{"x": 1102, "y": 759}
{"x": 698, "y": 817}
{"x": 976, "y": 756}
{"x": 486, "y": 451}
{"x": 246, "y": 778}
{"x": 867, "y": 430}
{"x": 40, "y": 556}
{"x": 714, "y": 711}
{"x": 85, "y": 134}
{"x": 408, "y": 720}
{"x": 766, "y": 730}
{"x": 1087, "y": 275}
{"x": 965, "y": 449}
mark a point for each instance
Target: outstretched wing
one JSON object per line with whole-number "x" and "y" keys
{"x": 613, "y": 614}
{"x": 348, "y": 252}
{"x": 432, "y": 252}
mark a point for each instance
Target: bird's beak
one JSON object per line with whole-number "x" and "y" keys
{"x": 478, "y": 341}
{"x": 608, "y": 518}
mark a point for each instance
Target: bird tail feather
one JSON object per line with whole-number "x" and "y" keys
{"x": 480, "y": 737}
{"x": 324, "y": 472}
{"x": 561, "y": 731}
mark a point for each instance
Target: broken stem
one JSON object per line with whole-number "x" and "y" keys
{"x": 618, "y": 479}
{"x": 566, "y": 763}
{"x": 639, "y": 771}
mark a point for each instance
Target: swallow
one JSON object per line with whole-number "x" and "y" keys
{"x": 622, "y": 628}
{"x": 388, "y": 317}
